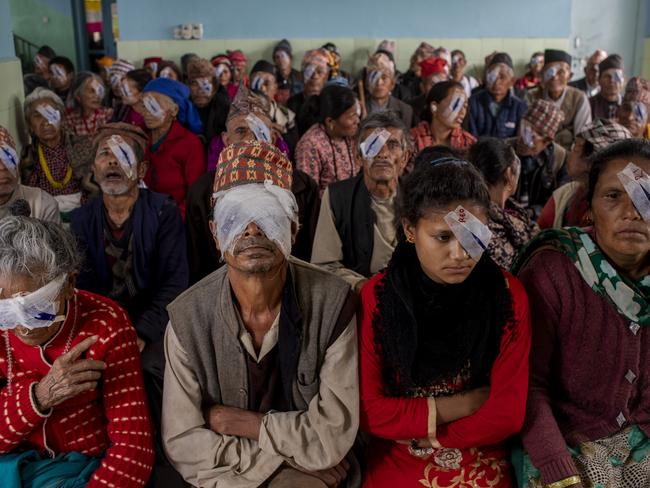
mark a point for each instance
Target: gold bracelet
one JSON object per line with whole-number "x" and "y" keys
{"x": 571, "y": 480}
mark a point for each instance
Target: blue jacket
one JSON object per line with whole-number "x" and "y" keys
{"x": 504, "y": 125}
{"x": 159, "y": 258}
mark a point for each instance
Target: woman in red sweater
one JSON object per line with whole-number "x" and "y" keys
{"x": 176, "y": 154}
{"x": 75, "y": 411}
{"x": 588, "y": 418}
{"x": 444, "y": 344}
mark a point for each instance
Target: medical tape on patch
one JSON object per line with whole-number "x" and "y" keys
{"x": 309, "y": 71}
{"x": 9, "y": 158}
{"x": 258, "y": 83}
{"x": 550, "y": 73}
{"x": 618, "y": 77}
{"x": 492, "y": 76}
{"x": 126, "y": 90}
{"x": 124, "y": 154}
{"x": 166, "y": 72}
{"x": 259, "y": 128}
{"x": 152, "y": 106}
{"x": 49, "y": 113}
{"x": 472, "y": 234}
{"x": 455, "y": 59}
{"x": 536, "y": 60}
{"x": 39, "y": 61}
{"x": 116, "y": 78}
{"x": 372, "y": 145}
{"x": 637, "y": 185}
{"x": 640, "y": 111}
{"x": 35, "y": 310}
{"x": 271, "y": 208}
{"x": 357, "y": 106}
{"x": 154, "y": 66}
{"x": 455, "y": 106}
{"x": 100, "y": 91}
{"x": 526, "y": 132}
{"x": 205, "y": 85}
{"x": 58, "y": 71}
{"x": 282, "y": 54}
{"x": 374, "y": 77}
{"x": 219, "y": 70}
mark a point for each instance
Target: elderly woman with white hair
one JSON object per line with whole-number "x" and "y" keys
{"x": 73, "y": 397}
{"x": 55, "y": 161}
{"x": 87, "y": 112}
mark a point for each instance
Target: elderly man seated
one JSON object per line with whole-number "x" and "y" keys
{"x": 261, "y": 384}
{"x": 17, "y": 199}
{"x": 75, "y": 411}
{"x": 356, "y": 232}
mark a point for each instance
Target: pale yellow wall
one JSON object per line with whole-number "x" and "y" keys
{"x": 645, "y": 66}
{"x": 11, "y": 98}
{"x": 353, "y": 51}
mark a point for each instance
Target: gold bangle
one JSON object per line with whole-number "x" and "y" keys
{"x": 571, "y": 480}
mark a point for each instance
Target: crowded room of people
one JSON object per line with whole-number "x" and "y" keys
{"x": 335, "y": 245}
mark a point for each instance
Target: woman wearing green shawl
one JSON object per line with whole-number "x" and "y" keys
{"x": 588, "y": 414}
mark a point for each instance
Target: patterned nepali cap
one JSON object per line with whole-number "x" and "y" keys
{"x": 252, "y": 162}
{"x": 545, "y": 117}
{"x": 602, "y": 132}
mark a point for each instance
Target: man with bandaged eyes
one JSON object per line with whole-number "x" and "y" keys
{"x": 261, "y": 382}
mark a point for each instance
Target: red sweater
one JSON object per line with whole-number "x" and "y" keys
{"x": 112, "y": 421}
{"x": 394, "y": 418}
{"x": 176, "y": 164}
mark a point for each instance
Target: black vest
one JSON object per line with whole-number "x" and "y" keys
{"x": 354, "y": 220}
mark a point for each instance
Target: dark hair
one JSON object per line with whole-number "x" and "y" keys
{"x": 437, "y": 94}
{"x": 140, "y": 76}
{"x": 437, "y": 185}
{"x": 431, "y": 153}
{"x": 458, "y": 51}
{"x": 625, "y": 149}
{"x": 170, "y": 64}
{"x": 185, "y": 60}
{"x": 46, "y": 51}
{"x": 492, "y": 157}
{"x": 333, "y": 101}
{"x": 63, "y": 61}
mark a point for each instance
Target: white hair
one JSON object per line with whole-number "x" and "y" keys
{"x": 41, "y": 94}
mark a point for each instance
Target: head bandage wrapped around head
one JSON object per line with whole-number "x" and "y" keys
{"x": 472, "y": 234}
{"x": 637, "y": 185}
{"x": 34, "y": 311}
{"x": 271, "y": 208}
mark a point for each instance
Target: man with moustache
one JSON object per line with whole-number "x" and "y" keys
{"x": 356, "y": 232}
{"x": 261, "y": 384}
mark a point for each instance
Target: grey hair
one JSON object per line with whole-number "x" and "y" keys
{"x": 37, "y": 249}
{"x": 384, "y": 120}
{"x": 78, "y": 84}
{"x": 41, "y": 94}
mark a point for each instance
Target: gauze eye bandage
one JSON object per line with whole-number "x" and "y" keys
{"x": 259, "y": 128}
{"x": 166, "y": 72}
{"x": 550, "y": 73}
{"x": 99, "y": 89}
{"x": 38, "y": 61}
{"x": 35, "y": 310}
{"x": 49, "y": 113}
{"x": 526, "y": 133}
{"x": 492, "y": 76}
{"x": 454, "y": 108}
{"x": 124, "y": 154}
{"x": 9, "y": 158}
{"x": 472, "y": 234}
{"x": 116, "y": 78}
{"x": 205, "y": 85}
{"x": 374, "y": 77}
{"x": 373, "y": 143}
{"x": 153, "y": 66}
{"x": 58, "y": 71}
{"x": 153, "y": 107}
{"x": 358, "y": 108}
{"x": 270, "y": 207}
{"x": 309, "y": 71}
{"x": 126, "y": 90}
{"x": 637, "y": 185}
{"x": 282, "y": 54}
{"x": 219, "y": 70}
{"x": 258, "y": 83}
{"x": 618, "y": 77}
{"x": 640, "y": 111}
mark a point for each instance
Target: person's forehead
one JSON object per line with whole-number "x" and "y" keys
{"x": 557, "y": 64}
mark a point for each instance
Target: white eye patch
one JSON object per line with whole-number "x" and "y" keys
{"x": 282, "y": 55}
{"x": 374, "y": 77}
{"x": 456, "y": 105}
{"x": 49, "y": 113}
{"x": 492, "y": 76}
{"x": 550, "y": 73}
{"x": 153, "y": 107}
{"x": 640, "y": 111}
{"x": 257, "y": 83}
{"x": 58, "y": 71}
{"x": 527, "y": 134}
{"x": 309, "y": 71}
{"x": 124, "y": 154}
{"x": 126, "y": 90}
{"x": 153, "y": 66}
{"x": 36, "y": 310}
{"x": 219, "y": 70}
{"x": 205, "y": 85}
{"x": 637, "y": 185}
{"x": 472, "y": 234}
{"x": 99, "y": 89}
{"x": 167, "y": 72}
{"x": 372, "y": 145}
{"x": 618, "y": 77}
{"x": 38, "y": 61}
{"x": 9, "y": 158}
{"x": 259, "y": 128}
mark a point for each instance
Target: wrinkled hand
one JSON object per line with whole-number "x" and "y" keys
{"x": 69, "y": 376}
{"x": 234, "y": 421}
{"x": 332, "y": 477}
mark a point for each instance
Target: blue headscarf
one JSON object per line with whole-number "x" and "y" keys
{"x": 180, "y": 94}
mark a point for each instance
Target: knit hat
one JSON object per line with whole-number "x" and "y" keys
{"x": 122, "y": 67}
{"x": 501, "y": 58}
{"x": 153, "y": 59}
{"x": 555, "y": 55}
{"x": 220, "y": 59}
{"x": 199, "y": 68}
{"x": 264, "y": 67}
{"x": 613, "y": 61}
{"x": 248, "y": 102}
{"x": 381, "y": 62}
{"x": 237, "y": 57}
{"x": 602, "y": 132}
{"x": 318, "y": 57}
{"x": 132, "y": 133}
{"x": 283, "y": 45}
{"x": 386, "y": 46}
{"x": 252, "y": 162}
{"x": 432, "y": 66}
{"x": 545, "y": 117}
